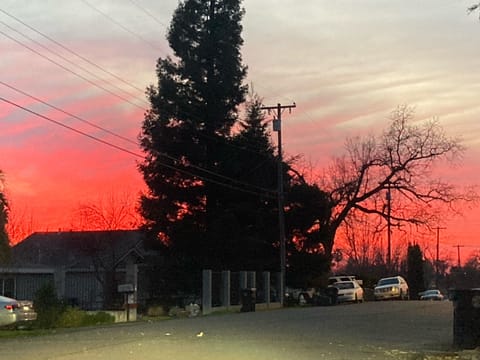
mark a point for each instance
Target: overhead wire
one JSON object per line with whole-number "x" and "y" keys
{"x": 71, "y": 71}
{"x": 148, "y": 13}
{"x": 92, "y": 63}
{"x": 68, "y": 113}
{"x": 255, "y": 150}
{"x": 111, "y": 19}
{"x": 119, "y": 24}
{"x": 86, "y": 79}
{"x": 70, "y": 62}
{"x": 261, "y": 191}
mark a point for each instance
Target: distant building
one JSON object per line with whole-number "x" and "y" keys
{"x": 86, "y": 267}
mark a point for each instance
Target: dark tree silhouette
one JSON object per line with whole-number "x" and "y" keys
{"x": 399, "y": 162}
{"x": 4, "y": 240}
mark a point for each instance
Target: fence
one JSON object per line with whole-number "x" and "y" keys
{"x": 221, "y": 291}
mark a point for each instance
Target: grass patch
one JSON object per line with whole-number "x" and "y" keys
{"x": 6, "y": 333}
{"x": 73, "y": 317}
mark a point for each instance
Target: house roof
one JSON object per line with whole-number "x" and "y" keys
{"x": 78, "y": 249}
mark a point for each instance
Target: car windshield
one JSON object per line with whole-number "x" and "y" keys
{"x": 346, "y": 285}
{"x": 432, "y": 292}
{"x": 388, "y": 281}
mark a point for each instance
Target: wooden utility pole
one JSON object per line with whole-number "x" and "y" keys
{"x": 458, "y": 253}
{"x": 437, "y": 259}
{"x": 389, "y": 228}
{"x": 277, "y": 126}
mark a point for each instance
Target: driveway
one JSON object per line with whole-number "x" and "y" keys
{"x": 372, "y": 330}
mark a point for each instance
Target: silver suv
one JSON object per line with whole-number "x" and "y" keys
{"x": 394, "y": 287}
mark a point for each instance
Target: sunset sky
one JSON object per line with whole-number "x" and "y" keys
{"x": 345, "y": 63}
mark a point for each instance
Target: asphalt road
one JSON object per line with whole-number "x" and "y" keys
{"x": 372, "y": 330}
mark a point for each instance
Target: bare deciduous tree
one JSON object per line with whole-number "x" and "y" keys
{"x": 20, "y": 224}
{"x": 400, "y": 162}
{"x": 111, "y": 211}
{"x": 362, "y": 239}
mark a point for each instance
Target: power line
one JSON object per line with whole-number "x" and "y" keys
{"x": 71, "y": 71}
{"x": 264, "y": 192}
{"x": 91, "y": 82}
{"x": 87, "y": 60}
{"x": 72, "y": 51}
{"x": 68, "y": 113}
{"x": 111, "y": 19}
{"x": 72, "y": 63}
{"x": 90, "y": 62}
{"x": 69, "y": 61}
{"x": 148, "y": 13}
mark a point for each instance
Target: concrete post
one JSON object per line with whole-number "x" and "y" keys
{"x": 243, "y": 280}
{"x": 206, "y": 292}
{"x": 280, "y": 287}
{"x": 266, "y": 287}
{"x": 251, "y": 280}
{"x": 225, "y": 289}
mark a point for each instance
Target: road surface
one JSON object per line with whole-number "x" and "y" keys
{"x": 371, "y": 330}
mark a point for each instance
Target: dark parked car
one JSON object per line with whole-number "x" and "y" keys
{"x": 432, "y": 294}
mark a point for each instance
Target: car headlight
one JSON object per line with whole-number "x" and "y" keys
{"x": 395, "y": 289}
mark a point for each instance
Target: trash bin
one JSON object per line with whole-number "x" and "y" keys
{"x": 332, "y": 293}
{"x": 248, "y": 300}
{"x": 466, "y": 317}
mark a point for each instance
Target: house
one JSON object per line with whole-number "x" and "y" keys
{"x": 87, "y": 268}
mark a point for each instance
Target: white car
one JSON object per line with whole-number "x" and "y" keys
{"x": 394, "y": 287}
{"x": 349, "y": 291}
{"x": 13, "y": 311}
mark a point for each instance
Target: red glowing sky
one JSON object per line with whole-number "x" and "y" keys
{"x": 345, "y": 66}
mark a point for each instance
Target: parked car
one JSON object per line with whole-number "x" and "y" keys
{"x": 334, "y": 279}
{"x": 16, "y": 312}
{"x": 394, "y": 287}
{"x": 432, "y": 294}
{"x": 349, "y": 291}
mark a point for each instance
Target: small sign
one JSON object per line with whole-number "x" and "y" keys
{"x": 276, "y": 125}
{"x": 126, "y": 288}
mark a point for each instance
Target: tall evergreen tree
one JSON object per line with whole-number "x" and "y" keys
{"x": 193, "y": 108}
{"x": 4, "y": 241}
{"x": 415, "y": 278}
{"x": 247, "y": 221}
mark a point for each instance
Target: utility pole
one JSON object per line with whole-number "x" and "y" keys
{"x": 458, "y": 253}
{"x": 389, "y": 230}
{"x": 277, "y": 126}
{"x": 437, "y": 260}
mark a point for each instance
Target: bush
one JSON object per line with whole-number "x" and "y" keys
{"x": 48, "y": 307}
{"x": 52, "y": 312}
{"x": 73, "y": 317}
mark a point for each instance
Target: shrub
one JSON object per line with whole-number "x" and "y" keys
{"x": 52, "y": 312}
{"x": 48, "y": 307}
